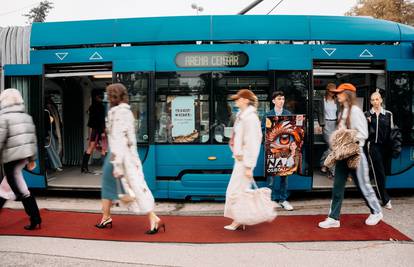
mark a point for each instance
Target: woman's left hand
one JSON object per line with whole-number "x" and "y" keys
{"x": 249, "y": 173}
{"x": 117, "y": 174}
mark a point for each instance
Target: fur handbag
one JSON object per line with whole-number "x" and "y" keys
{"x": 344, "y": 145}
{"x": 253, "y": 206}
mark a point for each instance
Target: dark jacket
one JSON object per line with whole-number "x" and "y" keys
{"x": 97, "y": 116}
{"x": 382, "y": 131}
{"x": 379, "y": 128}
{"x": 272, "y": 112}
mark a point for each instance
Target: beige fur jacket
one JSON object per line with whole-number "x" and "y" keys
{"x": 344, "y": 145}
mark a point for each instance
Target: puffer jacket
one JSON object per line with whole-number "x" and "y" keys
{"x": 17, "y": 134}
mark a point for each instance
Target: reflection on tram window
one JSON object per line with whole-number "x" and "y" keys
{"x": 182, "y": 107}
{"x": 227, "y": 84}
{"x": 137, "y": 85}
{"x": 401, "y": 103}
{"x": 295, "y": 85}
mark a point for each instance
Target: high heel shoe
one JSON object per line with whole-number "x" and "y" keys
{"x": 32, "y": 226}
{"x": 234, "y": 227}
{"x": 158, "y": 225}
{"x": 104, "y": 223}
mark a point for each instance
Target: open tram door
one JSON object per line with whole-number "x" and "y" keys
{"x": 28, "y": 80}
{"x": 367, "y": 76}
{"x": 68, "y": 92}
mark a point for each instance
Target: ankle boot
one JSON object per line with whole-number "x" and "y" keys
{"x": 31, "y": 208}
{"x": 2, "y": 202}
{"x": 85, "y": 162}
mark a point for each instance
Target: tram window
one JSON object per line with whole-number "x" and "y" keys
{"x": 400, "y": 102}
{"x": 137, "y": 85}
{"x": 295, "y": 85}
{"x": 182, "y": 107}
{"x": 227, "y": 84}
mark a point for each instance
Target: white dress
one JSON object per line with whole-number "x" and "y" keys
{"x": 124, "y": 156}
{"x": 247, "y": 137}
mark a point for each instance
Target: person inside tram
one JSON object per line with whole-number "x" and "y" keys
{"x": 96, "y": 124}
{"x": 53, "y": 130}
{"x": 327, "y": 117}
{"x": 352, "y": 117}
{"x": 278, "y": 184}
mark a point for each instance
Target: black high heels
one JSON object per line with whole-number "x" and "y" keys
{"x": 158, "y": 226}
{"x": 32, "y": 226}
{"x": 103, "y": 224}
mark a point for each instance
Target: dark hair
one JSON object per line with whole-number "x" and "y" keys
{"x": 117, "y": 94}
{"x": 277, "y": 93}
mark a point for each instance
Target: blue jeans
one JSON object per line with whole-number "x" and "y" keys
{"x": 279, "y": 185}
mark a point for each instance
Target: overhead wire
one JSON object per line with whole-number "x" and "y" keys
{"x": 274, "y": 7}
{"x": 20, "y": 9}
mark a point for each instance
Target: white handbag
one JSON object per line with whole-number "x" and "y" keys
{"x": 253, "y": 206}
{"x": 125, "y": 192}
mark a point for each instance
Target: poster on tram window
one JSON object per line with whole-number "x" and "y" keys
{"x": 182, "y": 116}
{"x": 283, "y": 144}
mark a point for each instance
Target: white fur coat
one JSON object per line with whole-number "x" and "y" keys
{"x": 124, "y": 156}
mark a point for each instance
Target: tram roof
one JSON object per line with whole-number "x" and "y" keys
{"x": 219, "y": 28}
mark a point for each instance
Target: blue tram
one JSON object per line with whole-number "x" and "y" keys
{"x": 192, "y": 65}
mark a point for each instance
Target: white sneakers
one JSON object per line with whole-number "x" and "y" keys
{"x": 286, "y": 205}
{"x": 329, "y": 223}
{"x": 374, "y": 219}
{"x": 388, "y": 205}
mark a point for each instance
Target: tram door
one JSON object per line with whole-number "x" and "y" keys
{"x": 28, "y": 80}
{"x": 367, "y": 77}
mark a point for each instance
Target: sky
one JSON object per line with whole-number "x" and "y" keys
{"x": 66, "y": 10}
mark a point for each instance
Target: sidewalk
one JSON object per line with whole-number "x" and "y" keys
{"x": 39, "y": 251}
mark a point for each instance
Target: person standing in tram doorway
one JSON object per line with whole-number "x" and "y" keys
{"x": 352, "y": 117}
{"x": 328, "y": 123}
{"x": 18, "y": 148}
{"x": 245, "y": 145}
{"x": 123, "y": 163}
{"x": 278, "y": 184}
{"x": 380, "y": 150}
{"x": 96, "y": 124}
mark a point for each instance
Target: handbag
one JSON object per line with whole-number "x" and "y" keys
{"x": 125, "y": 192}
{"x": 253, "y": 206}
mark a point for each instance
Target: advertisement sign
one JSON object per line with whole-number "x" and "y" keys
{"x": 182, "y": 116}
{"x": 283, "y": 144}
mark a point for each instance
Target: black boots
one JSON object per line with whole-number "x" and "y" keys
{"x": 85, "y": 162}
{"x": 2, "y": 201}
{"x": 30, "y": 206}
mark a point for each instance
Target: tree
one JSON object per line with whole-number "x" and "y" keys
{"x": 39, "y": 13}
{"x": 401, "y": 11}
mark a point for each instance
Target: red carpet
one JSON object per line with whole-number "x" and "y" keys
{"x": 196, "y": 229}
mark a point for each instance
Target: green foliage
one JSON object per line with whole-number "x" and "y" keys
{"x": 39, "y": 13}
{"x": 401, "y": 11}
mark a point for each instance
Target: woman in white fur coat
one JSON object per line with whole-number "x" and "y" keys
{"x": 124, "y": 162}
{"x": 245, "y": 145}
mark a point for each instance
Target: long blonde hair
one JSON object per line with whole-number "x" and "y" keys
{"x": 351, "y": 101}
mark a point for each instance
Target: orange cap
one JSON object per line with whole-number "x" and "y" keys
{"x": 344, "y": 86}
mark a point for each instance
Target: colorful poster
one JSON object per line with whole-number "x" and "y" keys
{"x": 183, "y": 116}
{"x": 283, "y": 144}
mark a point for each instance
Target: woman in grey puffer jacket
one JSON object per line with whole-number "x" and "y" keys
{"x": 17, "y": 149}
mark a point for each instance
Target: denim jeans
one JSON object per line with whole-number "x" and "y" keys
{"x": 279, "y": 185}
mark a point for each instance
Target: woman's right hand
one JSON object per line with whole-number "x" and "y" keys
{"x": 31, "y": 165}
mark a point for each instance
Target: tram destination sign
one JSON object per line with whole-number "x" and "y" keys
{"x": 211, "y": 59}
